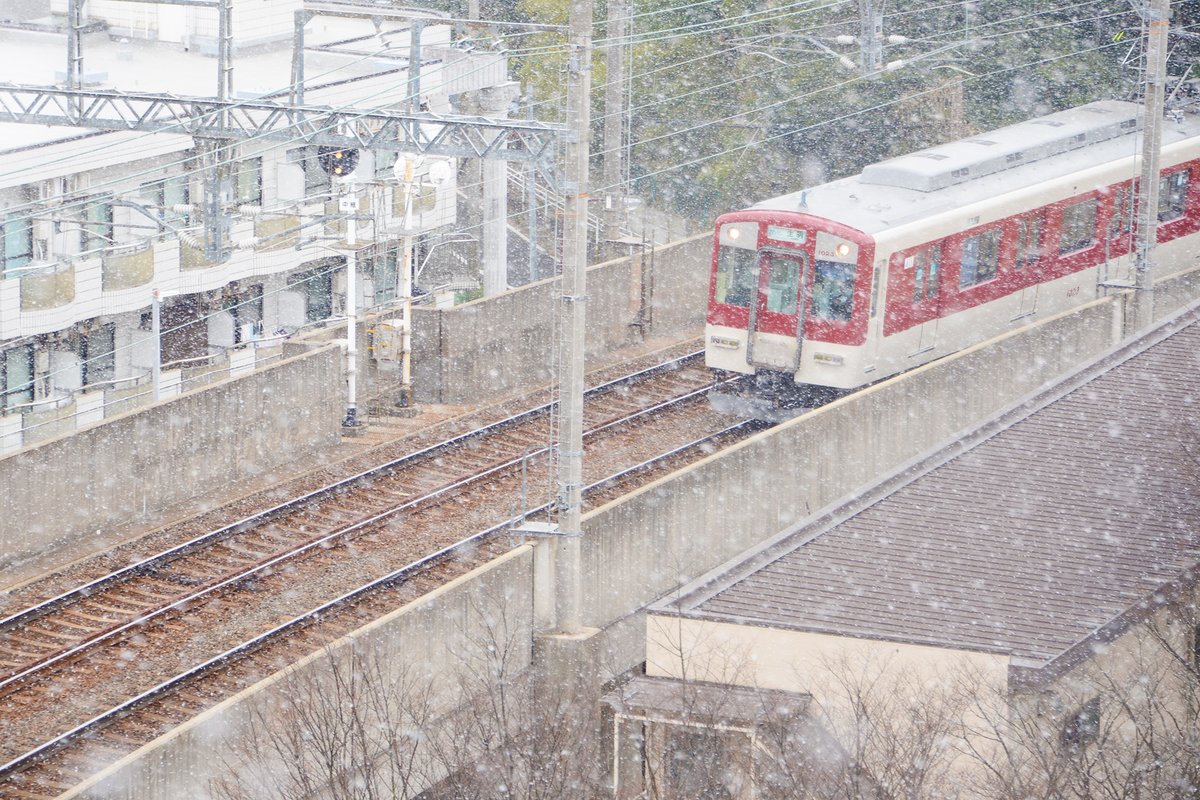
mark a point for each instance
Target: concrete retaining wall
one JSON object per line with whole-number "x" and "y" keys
{"x": 436, "y": 635}
{"x": 159, "y": 455}
{"x": 501, "y": 344}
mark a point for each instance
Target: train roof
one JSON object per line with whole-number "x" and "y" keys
{"x": 956, "y": 174}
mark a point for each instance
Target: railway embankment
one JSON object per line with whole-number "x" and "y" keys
{"x": 640, "y": 547}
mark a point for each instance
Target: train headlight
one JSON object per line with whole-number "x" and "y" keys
{"x": 842, "y": 249}
{"x": 734, "y": 233}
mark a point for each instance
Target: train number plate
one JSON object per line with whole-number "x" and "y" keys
{"x": 724, "y": 341}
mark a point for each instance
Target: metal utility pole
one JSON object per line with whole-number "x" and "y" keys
{"x": 1157, "y": 15}
{"x": 574, "y": 300}
{"x": 614, "y": 119}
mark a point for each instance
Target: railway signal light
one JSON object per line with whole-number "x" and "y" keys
{"x": 337, "y": 162}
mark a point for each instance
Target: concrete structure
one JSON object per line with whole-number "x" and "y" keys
{"x": 499, "y": 345}
{"x": 151, "y": 458}
{"x": 95, "y": 224}
{"x": 431, "y": 636}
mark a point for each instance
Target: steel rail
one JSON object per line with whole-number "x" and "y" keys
{"x": 423, "y": 564}
{"x": 319, "y": 543}
{"x": 31, "y": 613}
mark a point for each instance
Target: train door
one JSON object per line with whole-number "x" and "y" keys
{"x": 926, "y": 267}
{"x": 776, "y": 313}
{"x": 1028, "y": 262}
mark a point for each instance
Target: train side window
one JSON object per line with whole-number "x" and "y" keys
{"x": 735, "y": 276}
{"x": 1029, "y": 241}
{"x": 980, "y": 257}
{"x": 1078, "y": 226}
{"x": 925, "y": 264}
{"x": 1122, "y": 221}
{"x": 833, "y": 290}
{"x": 1172, "y": 195}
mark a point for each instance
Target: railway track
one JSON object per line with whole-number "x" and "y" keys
{"x": 260, "y": 589}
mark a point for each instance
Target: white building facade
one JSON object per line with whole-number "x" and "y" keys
{"x": 96, "y": 224}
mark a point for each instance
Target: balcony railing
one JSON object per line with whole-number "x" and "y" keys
{"x": 127, "y": 267}
{"x": 280, "y": 232}
{"x": 52, "y": 287}
{"x": 194, "y": 258}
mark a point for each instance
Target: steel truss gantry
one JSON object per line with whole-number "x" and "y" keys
{"x": 421, "y": 133}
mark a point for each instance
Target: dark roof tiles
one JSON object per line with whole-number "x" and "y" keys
{"x": 1026, "y": 543}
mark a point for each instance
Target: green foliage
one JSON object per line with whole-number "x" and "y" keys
{"x": 734, "y": 101}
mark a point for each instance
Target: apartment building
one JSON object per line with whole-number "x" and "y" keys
{"x": 96, "y": 225}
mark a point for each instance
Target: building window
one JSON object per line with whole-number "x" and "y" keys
{"x": 98, "y": 355}
{"x": 97, "y": 224}
{"x": 925, "y": 266}
{"x": 980, "y": 258}
{"x": 246, "y": 308}
{"x": 385, "y": 274}
{"x": 1029, "y": 242}
{"x": 316, "y": 179}
{"x": 1172, "y": 195}
{"x": 164, "y": 195}
{"x": 735, "y": 276}
{"x": 16, "y": 376}
{"x": 1082, "y": 727}
{"x": 317, "y": 287}
{"x": 18, "y": 243}
{"x": 249, "y": 181}
{"x": 385, "y": 161}
{"x": 1078, "y": 226}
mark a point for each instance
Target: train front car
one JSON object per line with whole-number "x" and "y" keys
{"x": 789, "y": 302}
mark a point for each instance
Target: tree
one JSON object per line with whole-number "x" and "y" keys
{"x": 358, "y": 725}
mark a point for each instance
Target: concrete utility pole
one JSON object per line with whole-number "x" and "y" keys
{"x": 1157, "y": 15}
{"x": 348, "y": 204}
{"x": 574, "y": 296}
{"x": 870, "y": 38}
{"x": 614, "y": 120}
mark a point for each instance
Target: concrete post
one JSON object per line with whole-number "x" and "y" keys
{"x": 614, "y": 123}
{"x": 574, "y": 302}
{"x": 1158, "y": 14}
{"x": 494, "y": 103}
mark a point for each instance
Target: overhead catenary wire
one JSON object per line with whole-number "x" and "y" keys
{"x": 860, "y": 111}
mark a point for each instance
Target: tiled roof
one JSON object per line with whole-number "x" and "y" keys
{"x": 1026, "y": 538}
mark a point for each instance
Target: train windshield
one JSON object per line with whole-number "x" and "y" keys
{"x": 783, "y": 283}
{"x": 833, "y": 291}
{"x": 735, "y": 276}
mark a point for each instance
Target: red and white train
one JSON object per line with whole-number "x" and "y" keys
{"x": 849, "y": 282}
